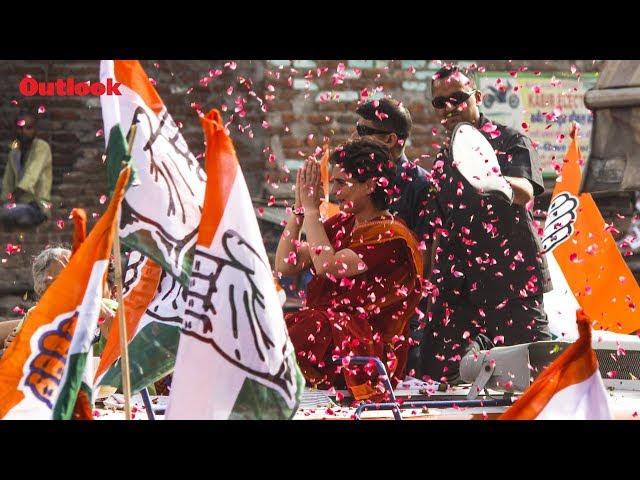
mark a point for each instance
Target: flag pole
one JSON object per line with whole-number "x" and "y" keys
{"x": 124, "y": 364}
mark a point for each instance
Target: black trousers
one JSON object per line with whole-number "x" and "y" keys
{"x": 456, "y": 326}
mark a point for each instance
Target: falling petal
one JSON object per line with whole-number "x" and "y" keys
{"x": 11, "y": 248}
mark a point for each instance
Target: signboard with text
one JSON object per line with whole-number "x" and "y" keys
{"x": 542, "y": 107}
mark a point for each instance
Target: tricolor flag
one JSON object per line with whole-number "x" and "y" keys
{"x": 586, "y": 267}
{"x": 571, "y": 388}
{"x": 235, "y": 359}
{"x": 153, "y": 306}
{"x": 160, "y": 215}
{"x": 45, "y": 369}
{"x": 149, "y": 295}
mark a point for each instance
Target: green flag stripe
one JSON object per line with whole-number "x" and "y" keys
{"x": 152, "y": 356}
{"x": 259, "y": 402}
{"x": 63, "y": 409}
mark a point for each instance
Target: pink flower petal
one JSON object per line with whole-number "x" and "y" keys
{"x": 11, "y": 248}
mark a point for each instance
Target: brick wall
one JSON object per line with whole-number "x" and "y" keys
{"x": 71, "y": 126}
{"x": 315, "y": 100}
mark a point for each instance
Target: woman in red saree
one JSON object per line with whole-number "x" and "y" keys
{"x": 366, "y": 266}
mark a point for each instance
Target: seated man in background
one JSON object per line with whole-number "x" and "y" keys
{"x": 366, "y": 268}
{"x": 26, "y": 185}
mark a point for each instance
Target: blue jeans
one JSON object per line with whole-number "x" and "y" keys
{"x": 22, "y": 215}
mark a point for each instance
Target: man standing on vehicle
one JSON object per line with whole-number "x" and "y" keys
{"x": 489, "y": 268}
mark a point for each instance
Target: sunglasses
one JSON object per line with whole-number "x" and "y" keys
{"x": 363, "y": 131}
{"x": 454, "y": 99}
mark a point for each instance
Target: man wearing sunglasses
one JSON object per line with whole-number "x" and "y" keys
{"x": 489, "y": 268}
{"x": 388, "y": 121}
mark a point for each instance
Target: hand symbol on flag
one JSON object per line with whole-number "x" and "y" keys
{"x": 559, "y": 224}
{"x": 231, "y": 305}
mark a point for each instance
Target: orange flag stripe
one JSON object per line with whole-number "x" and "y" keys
{"x": 571, "y": 174}
{"x": 324, "y": 170}
{"x": 221, "y": 165}
{"x": 135, "y": 304}
{"x": 64, "y": 295}
{"x": 327, "y": 209}
{"x": 599, "y": 277}
{"x": 602, "y": 282}
{"x": 575, "y": 365}
{"x": 79, "y": 217}
{"x": 131, "y": 74}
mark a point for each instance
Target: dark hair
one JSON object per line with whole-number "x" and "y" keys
{"x": 397, "y": 117}
{"x": 449, "y": 70}
{"x": 367, "y": 158}
{"x": 27, "y": 113}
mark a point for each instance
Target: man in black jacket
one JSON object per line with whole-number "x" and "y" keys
{"x": 489, "y": 268}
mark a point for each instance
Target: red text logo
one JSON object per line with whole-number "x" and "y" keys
{"x": 67, "y": 87}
